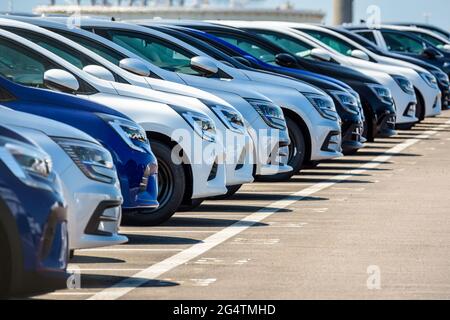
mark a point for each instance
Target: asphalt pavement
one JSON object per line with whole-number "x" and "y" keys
{"x": 371, "y": 226}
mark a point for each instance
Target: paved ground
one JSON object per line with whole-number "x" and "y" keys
{"x": 374, "y": 225}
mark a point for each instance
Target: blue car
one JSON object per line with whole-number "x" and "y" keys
{"x": 33, "y": 221}
{"x": 135, "y": 162}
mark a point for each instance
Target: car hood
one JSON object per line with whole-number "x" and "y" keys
{"x": 266, "y": 78}
{"x": 335, "y": 70}
{"x": 184, "y": 90}
{"x": 170, "y": 99}
{"x": 49, "y": 127}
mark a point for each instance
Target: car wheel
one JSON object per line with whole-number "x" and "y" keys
{"x": 420, "y": 108}
{"x": 297, "y": 151}
{"x": 171, "y": 189}
{"x": 5, "y": 265}
{"x": 367, "y": 127}
{"x": 231, "y": 191}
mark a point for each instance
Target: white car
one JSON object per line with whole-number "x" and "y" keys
{"x": 310, "y": 113}
{"x": 425, "y": 85}
{"x": 194, "y": 171}
{"x": 398, "y": 79}
{"x": 94, "y": 207}
{"x": 231, "y": 129}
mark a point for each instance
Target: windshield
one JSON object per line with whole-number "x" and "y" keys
{"x": 332, "y": 41}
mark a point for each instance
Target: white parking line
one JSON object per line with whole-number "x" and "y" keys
{"x": 154, "y": 271}
{"x": 128, "y": 249}
{"x": 166, "y": 231}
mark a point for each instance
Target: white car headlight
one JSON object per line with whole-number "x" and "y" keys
{"x": 26, "y": 162}
{"x": 92, "y": 159}
{"x": 203, "y": 125}
{"x": 269, "y": 112}
{"x": 383, "y": 93}
{"x": 348, "y": 101}
{"x": 132, "y": 133}
{"x": 429, "y": 79}
{"x": 231, "y": 119}
{"x": 323, "y": 104}
{"x": 404, "y": 84}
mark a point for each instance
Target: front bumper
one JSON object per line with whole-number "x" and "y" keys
{"x": 434, "y": 107}
{"x": 385, "y": 125}
{"x": 138, "y": 178}
{"x": 326, "y": 138}
{"x": 270, "y": 148}
{"x": 239, "y": 159}
{"x": 352, "y": 136}
{"x": 84, "y": 197}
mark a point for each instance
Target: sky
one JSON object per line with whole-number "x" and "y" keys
{"x": 438, "y": 11}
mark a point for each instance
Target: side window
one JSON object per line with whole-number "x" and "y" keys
{"x": 401, "y": 43}
{"x": 65, "y": 52}
{"x": 22, "y": 66}
{"x": 6, "y": 96}
{"x": 103, "y": 51}
{"x": 369, "y": 35}
{"x": 288, "y": 43}
{"x": 434, "y": 41}
{"x": 333, "y": 42}
{"x": 164, "y": 55}
{"x": 250, "y": 47}
{"x": 26, "y": 67}
{"x": 73, "y": 56}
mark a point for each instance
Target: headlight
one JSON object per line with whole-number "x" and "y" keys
{"x": 231, "y": 119}
{"x": 323, "y": 104}
{"x": 383, "y": 93}
{"x": 92, "y": 159}
{"x": 429, "y": 79}
{"x": 404, "y": 83}
{"x": 132, "y": 133}
{"x": 348, "y": 101}
{"x": 26, "y": 162}
{"x": 203, "y": 125}
{"x": 441, "y": 77}
{"x": 270, "y": 112}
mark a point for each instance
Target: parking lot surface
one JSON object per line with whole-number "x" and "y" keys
{"x": 374, "y": 225}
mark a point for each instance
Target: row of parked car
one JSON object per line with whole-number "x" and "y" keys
{"x": 106, "y": 122}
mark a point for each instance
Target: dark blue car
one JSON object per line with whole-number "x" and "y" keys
{"x": 135, "y": 162}
{"x": 33, "y": 222}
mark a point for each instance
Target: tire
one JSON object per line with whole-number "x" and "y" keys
{"x": 194, "y": 204}
{"x": 231, "y": 191}
{"x": 297, "y": 152}
{"x": 420, "y": 107}
{"x": 368, "y": 127}
{"x": 171, "y": 189}
{"x": 5, "y": 265}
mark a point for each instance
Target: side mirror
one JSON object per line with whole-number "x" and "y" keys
{"x": 321, "y": 54}
{"x": 359, "y": 54}
{"x": 135, "y": 66}
{"x": 61, "y": 80}
{"x": 285, "y": 60}
{"x": 99, "y": 72}
{"x": 204, "y": 65}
